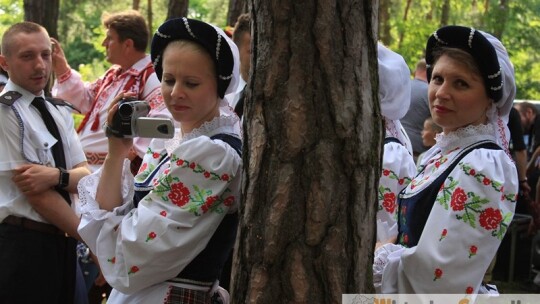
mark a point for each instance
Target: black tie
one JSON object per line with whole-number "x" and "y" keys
{"x": 58, "y": 148}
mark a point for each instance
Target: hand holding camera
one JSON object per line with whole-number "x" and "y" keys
{"x": 130, "y": 121}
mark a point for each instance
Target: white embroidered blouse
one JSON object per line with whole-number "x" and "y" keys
{"x": 472, "y": 212}
{"x": 145, "y": 246}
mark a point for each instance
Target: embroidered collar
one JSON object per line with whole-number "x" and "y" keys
{"x": 464, "y": 137}
{"x": 222, "y": 124}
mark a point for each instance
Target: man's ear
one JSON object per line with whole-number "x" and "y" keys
{"x": 3, "y": 63}
{"x": 128, "y": 43}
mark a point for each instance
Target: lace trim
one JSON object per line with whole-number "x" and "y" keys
{"x": 220, "y": 124}
{"x": 458, "y": 137}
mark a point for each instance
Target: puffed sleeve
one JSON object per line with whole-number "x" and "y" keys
{"x": 469, "y": 218}
{"x": 173, "y": 223}
{"x": 398, "y": 169}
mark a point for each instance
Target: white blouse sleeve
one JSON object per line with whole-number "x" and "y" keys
{"x": 398, "y": 169}
{"x": 469, "y": 218}
{"x": 173, "y": 223}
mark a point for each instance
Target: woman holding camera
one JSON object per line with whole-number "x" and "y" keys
{"x": 165, "y": 234}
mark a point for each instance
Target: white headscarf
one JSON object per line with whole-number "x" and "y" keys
{"x": 394, "y": 92}
{"x": 499, "y": 112}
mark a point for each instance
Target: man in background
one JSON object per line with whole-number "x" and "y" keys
{"x": 418, "y": 112}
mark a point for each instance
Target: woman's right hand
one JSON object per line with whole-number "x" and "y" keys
{"x": 118, "y": 147}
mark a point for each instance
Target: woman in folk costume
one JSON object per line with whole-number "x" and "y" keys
{"x": 166, "y": 239}
{"x": 455, "y": 212}
{"x": 398, "y": 166}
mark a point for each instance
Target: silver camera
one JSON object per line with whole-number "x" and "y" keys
{"x": 130, "y": 121}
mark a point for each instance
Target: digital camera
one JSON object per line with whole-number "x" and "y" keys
{"x": 130, "y": 121}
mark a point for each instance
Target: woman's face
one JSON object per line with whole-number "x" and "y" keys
{"x": 189, "y": 85}
{"x": 457, "y": 95}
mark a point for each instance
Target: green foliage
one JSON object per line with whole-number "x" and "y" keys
{"x": 10, "y": 12}
{"x": 518, "y": 26}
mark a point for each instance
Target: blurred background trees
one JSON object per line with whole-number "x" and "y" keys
{"x": 403, "y": 26}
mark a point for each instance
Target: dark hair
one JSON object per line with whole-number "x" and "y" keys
{"x": 21, "y": 27}
{"x": 523, "y": 106}
{"x": 420, "y": 65}
{"x": 129, "y": 25}
{"x": 243, "y": 25}
{"x": 460, "y": 56}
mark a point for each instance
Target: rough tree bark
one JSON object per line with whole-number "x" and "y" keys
{"x": 44, "y": 13}
{"x": 236, "y": 8}
{"x": 136, "y": 4}
{"x": 177, "y": 8}
{"x": 312, "y": 150}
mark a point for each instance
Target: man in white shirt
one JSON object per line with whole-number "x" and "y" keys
{"x": 42, "y": 162}
{"x": 132, "y": 71}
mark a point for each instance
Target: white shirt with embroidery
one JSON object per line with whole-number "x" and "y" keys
{"x": 398, "y": 169}
{"x": 140, "y": 248}
{"x": 71, "y": 88}
{"x": 468, "y": 220}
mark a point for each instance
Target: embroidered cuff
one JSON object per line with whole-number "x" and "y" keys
{"x": 65, "y": 76}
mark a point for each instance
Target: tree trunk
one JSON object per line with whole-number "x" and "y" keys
{"x": 136, "y": 4}
{"x": 312, "y": 146}
{"x": 384, "y": 22}
{"x": 44, "y": 13}
{"x": 236, "y": 8}
{"x": 501, "y": 15}
{"x": 149, "y": 17}
{"x": 405, "y": 16}
{"x": 445, "y": 14}
{"x": 177, "y": 8}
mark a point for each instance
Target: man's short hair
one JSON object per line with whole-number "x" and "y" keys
{"x": 242, "y": 26}
{"x": 21, "y": 27}
{"x": 129, "y": 24}
{"x": 421, "y": 65}
{"x": 525, "y": 105}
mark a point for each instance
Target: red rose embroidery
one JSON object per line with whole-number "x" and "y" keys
{"x": 443, "y": 234}
{"x": 486, "y": 181}
{"x": 438, "y": 274}
{"x": 386, "y": 172}
{"x": 472, "y": 251}
{"x": 112, "y": 261}
{"x": 179, "y": 194}
{"x": 406, "y": 238}
{"x": 472, "y": 172}
{"x": 143, "y": 167}
{"x": 163, "y": 213}
{"x": 389, "y": 202}
{"x": 458, "y": 199}
{"x": 133, "y": 269}
{"x": 208, "y": 203}
{"x": 152, "y": 235}
{"x": 401, "y": 181}
{"x": 179, "y": 162}
{"x": 437, "y": 164}
{"x": 155, "y": 155}
{"x": 206, "y": 174}
{"x": 490, "y": 218}
{"x": 469, "y": 290}
{"x": 228, "y": 201}
{"x": 225, "y": 177}
{"x": 192, "y": 165}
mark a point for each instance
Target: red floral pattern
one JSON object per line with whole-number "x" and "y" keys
{"x": 133, "y": 269}
{"x": 151, "y": 236}
{"x": 443, "y": 234}
{"x": 389, "y": 202}
{"x": 472, "y": 251}
{"x": 438, "y": 274}
{"x": 179, "y": 194}
{"x": 490, "y": 218}
{"x": 458, "y": 199}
